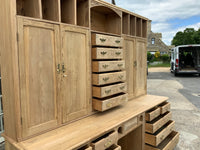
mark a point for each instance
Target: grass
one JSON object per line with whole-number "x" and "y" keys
{"x": 166, "y": 64}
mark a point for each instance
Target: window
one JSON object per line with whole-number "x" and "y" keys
{"x": 153, "y": 41}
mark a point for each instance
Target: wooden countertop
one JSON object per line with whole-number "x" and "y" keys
{"x": 85, "y": 130}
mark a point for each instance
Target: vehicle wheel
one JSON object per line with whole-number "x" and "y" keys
{"x": 175, "y": 73}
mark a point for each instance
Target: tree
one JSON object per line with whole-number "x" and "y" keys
{"x": 188, "y": 36}
{"x": 157, "y": 54}
{"x": 149, "y": 56}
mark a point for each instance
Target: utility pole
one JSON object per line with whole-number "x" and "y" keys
{"x": 113, "y": 2}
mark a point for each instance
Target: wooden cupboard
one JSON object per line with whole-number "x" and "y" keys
{"x": 39, "y": 54}
{"x": 76, "y": 76}
{"x": 136, "y": 66}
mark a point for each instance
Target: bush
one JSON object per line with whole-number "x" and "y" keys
{"x": 165, "y": 58}
{"x": 149, "y": 56}
{"x": 157, "y": 55}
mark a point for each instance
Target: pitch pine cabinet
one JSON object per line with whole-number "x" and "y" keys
{"x": 74, "y": 76}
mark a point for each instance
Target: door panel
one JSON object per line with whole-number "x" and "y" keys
{"x": 141, "y": 70}
{"x": 76, "y": 81}
{"x": 38, "y": 48}
{"x": 130, "y": 58}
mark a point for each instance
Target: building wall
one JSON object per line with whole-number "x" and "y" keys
{"x": 158, "y": 45}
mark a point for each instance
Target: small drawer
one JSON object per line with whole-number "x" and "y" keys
{"x": 153, "y": 126}
{"x": 105, "y": 40}
{"x": 107, "y": 53}
{"x": 107, "y": 78}
{"x": 105, "y": 141}
{"x": 164, "y": 107}
{"x": 168, "y": 144}
{"x": 105, "y": 91}
{"x": 102, "y": 105}
{"x": 156, "y": 138}
{"x": 152, "y": 114}
{"x": 128, "y": 126}
{"x": 104, "y": 66}
{"x": 114, "y": 147}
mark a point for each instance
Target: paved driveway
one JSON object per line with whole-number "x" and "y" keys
{"x": 184, "y": 94}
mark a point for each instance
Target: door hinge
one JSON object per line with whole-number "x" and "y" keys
{"x": 21, "y": 121}
{"x": 17, "y": 37}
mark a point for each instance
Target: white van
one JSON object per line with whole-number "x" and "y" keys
{"x": 185, "y": 59}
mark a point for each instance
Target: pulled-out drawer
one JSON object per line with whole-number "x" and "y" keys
{"x": 107, "y": 53}
{"x": 152, "y": 114}
{"x": 102, "y": 105}
{"x": 114, "y": 147}
{"x": 168, "y": 144}
{"x": 156, "y": 138}
{"x": 164, "y": 107}
{"x": 129, "y": 125}
{"x": 105, "y": 40}
{"x": 107, "y": 78}
{"x": 153, "y": 126}
{"x": 105, "y": 91}
{"x": 104, "y": 66}
{"x": 105, "y": 141}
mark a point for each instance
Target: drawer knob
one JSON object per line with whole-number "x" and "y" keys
{"x": 118, "y": 53}
{"x": 121, "y": 76}
{"x": 117, "y": 41}
{"x": 105, "y": 66}
{"x": 106, "y": 79}
{"x": 141, "y": 118}
{"x": 102, "y": 40}
{"x": 108, "y": 144}
{"x": 103, "y": 53}
{"x": 122, "y": 87}
{"x": 107, "y": 91}
{"x": 120, "y": 65}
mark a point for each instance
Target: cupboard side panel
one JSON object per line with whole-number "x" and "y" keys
{"x": 9, "y": 69}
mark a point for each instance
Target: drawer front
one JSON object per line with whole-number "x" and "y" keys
{"x": 168, "y": 144}
{"x": 157, "y": 138}
{"x": 129, "y": 125}
{"x": 152, "y": 127}
{"x": 165, "y": 107}
{"x": 106, "y": 142}
{"x": 103, "y": 66}
{"x": 89, "y": 148}
{"x": 109, "y": 103}
{"x": 105, "y": 91}
{"x": 152, "y": 114}
{"x": 105, "y": 40}
{"x": 107, "y": 53}
{"x": 114, "y": 147}
{"x": 106, "y": 78}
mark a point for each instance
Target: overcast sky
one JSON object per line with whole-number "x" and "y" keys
{"x": 168, "y": 16}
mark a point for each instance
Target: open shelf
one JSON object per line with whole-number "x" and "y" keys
{"x": 139, "y": 27}
{"x": 51, "y": 10}
{"x": 133, "y": 140}
{"x": 83, "y": 13}
{"x": 68, "y": 11}
{"x": 144, "y": 28}
{"x": 133, "y": 26}
{"x": 104, "y": 19}
{"x": 126, "y": 23}
{"x": 29, "y": 8}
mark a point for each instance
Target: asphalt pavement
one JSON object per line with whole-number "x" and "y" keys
{"x": 184, "y": 95}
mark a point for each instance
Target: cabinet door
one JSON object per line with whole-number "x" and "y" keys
{"x": 38, "y": 55}
{"x": 76, "y": 80}
{"x": 130, "y": 59}
{"x": 141, "y": 69}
